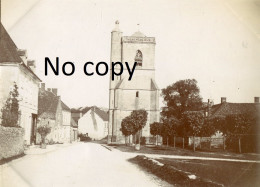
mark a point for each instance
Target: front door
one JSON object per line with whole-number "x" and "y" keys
{"x": 34, "y": 128}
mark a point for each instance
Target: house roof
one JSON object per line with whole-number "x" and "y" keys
{"x": 47, "y": 104}
{"x": 9, "y": 51}
{"x": 8, "y": 48}
{"x": 64, "y": 106}
{"x": 226, "y": 108}
{"x": 102, "y": 114}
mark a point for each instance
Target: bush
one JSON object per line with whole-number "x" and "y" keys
{"x": 84, "y": 138}
{"x": 43, "y": 130}
{"x": 10, "y": 111}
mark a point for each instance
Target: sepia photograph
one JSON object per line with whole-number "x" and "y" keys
{"x": 129, "y": 93}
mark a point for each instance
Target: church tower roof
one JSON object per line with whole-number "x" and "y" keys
{"x": 116, "y": 29}
{"x": 138, "y": 34}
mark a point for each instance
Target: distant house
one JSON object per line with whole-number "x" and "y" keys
{"x": 92, "y": 121}
{"x": 73, "y": 130}
{"x": 56, "y": 114}
{"x": 225, "y": 108}
{"x": 15, "y": 67}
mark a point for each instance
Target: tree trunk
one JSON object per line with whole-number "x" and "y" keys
{"x": 224, "y": 146}
{"x": 239, "y": 144}
{"x": 156, "y": 140}
{"x": 140, "y": 132}
{"x": 183, "y": 142}
{"x": 167, "y": 141}
{"x": 174, "y": 141}
{"x": 210, "y": 143}
{"x": 126, "y": 140}
{"x": 200, "y": 142}
{"x": 193, "y": 143}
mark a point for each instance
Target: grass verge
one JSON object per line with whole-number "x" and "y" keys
{"x": 170, "y": 174}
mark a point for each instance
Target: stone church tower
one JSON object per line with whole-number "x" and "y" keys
{"x": 139, "y": 93}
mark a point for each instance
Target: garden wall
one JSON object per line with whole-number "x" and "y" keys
{"x": 11, "y": 142}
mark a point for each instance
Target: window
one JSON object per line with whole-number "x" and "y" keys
{"x": 139, "y": 58}
{"x": 137, "y": 94}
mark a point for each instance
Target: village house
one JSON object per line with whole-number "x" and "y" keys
{"x": 92, "y": 121}
{"x": 224, "y": 109}
{"x": 56, "y": 114}
{"x": 73, "y": 130}
{"x": 15, "y": 67}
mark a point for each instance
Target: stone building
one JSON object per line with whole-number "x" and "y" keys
{"x": 139, "y": 93}
{"x": 15, "y": 67}
{"x": 93, "y": 121}
{"x": 55, "y": 113}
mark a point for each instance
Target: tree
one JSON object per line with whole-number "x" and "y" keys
{"x": 181, "y": 96}
{"x": 127, "y": 127}
{"x": 156, "y": 129}
{"x": 238, "y": 126}
{"x": 10, "y": 111}
{"x": 207, "y": 130}
{"x": 170, "y": 128}
{"x": 139, "y": 119}
{"x": 43, "y": 130}
{"x": 193, "y": 122}
{"x": 218, "y": 123}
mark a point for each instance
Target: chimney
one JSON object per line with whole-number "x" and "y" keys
{"x": 223, "y": 99}
{"x": 31, "y": 64}
{"x": 256, "y": 99}
{"x": 210, "y": 103}
{"x": 43, "y": 86}
{"x": 55, "y": 91}
{"x": 23, "y": 54}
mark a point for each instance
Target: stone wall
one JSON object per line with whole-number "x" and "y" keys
{"x": 11, "y": 142}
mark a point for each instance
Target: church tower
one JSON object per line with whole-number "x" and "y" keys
{"x": 139, "y": 93}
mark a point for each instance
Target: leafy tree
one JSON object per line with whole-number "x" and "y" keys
{"x": 238, "y": 126}
{"x": 156, "y": 129}
{"x": 10, "y": 111}
{"x": 43, "y": 130}
{"x": 181, "y": 96}
{"x": 170, "y": 128}
{"x": 207, "y": 129}
{"x": 218, "y": 123}
{"x": 193, "y": 122}
{"x": 139, "y": 119}
{"x": 127, "y": 127}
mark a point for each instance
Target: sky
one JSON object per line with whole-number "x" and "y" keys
{"x": 217, "y": 42}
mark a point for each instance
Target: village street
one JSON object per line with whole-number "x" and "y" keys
{"x": 78, "y": 164}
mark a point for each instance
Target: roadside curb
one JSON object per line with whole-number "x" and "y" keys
{"x": 105, "y": 146}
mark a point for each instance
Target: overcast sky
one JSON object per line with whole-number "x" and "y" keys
{"x": 216, "y": 42}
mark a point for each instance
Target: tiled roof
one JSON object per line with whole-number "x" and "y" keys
{"x": 64, "y": 106}
{"x": 8, "y": 49}
{"x": 102, "y": 114}
{"x": 47, "y": 104}
{"x": 224, "y": 109}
